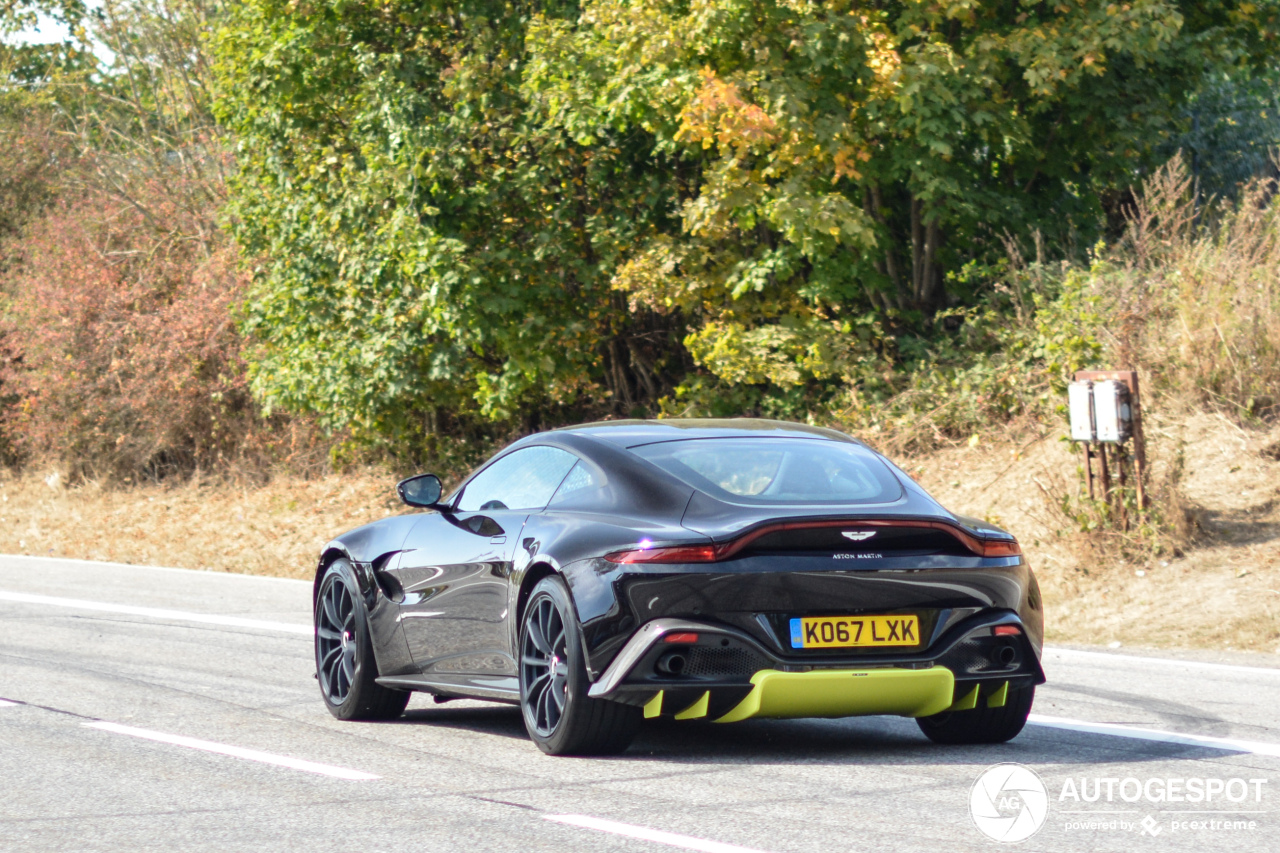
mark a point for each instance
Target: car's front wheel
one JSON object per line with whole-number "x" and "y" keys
{"x": 982, "y": 724}
{"x": 345, "y": 666}
{"x": 558, "y": 714}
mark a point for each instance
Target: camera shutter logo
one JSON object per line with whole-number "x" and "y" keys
{"x": 1009, "y": 803}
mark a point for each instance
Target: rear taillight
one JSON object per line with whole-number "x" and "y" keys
{"x": 678, "y": 554}
{"x": 1000, "y": 547}
{"x": 1006, "y": 630}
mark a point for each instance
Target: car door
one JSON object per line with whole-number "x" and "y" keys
{"x": 456, "y": 565}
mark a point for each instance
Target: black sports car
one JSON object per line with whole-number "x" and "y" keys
{"x": 697, "y": 569}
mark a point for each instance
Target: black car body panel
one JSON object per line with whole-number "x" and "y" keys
{"x": 445, "y": 588}
{"x": 754, "y": 594}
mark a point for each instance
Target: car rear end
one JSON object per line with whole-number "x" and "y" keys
{"x": 788, "y": 608}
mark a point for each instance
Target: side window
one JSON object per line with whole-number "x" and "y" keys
{"x": 579, "y": 479}
{"x": 525, "y": 479}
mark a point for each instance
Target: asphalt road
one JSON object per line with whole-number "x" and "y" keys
{"x": 165, "y": 709}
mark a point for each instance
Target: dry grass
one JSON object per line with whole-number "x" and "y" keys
{"x": 277, "y": 529}
{"x": 1193, "y": 297}
{"x": 1224, "y": 593}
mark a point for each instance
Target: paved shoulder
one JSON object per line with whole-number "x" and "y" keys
{"x": 180, "y": 709}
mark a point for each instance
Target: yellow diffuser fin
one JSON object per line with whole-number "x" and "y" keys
{"x": 653, "y": 707}
{"x": 697, "y": 709}
{"x": 997, "y": 699}
{"x": 968, "y": 703}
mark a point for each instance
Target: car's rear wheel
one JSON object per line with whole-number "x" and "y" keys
{"x": 558, "y": 714}
{"x": 982, "y": 724}
{"x": 345, "y": 666}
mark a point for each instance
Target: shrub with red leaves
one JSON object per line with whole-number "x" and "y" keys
{"x": 123, "y": 356}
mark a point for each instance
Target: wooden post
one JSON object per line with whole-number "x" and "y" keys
{"x": 1088, "y": 468}
{"x": 1105, "y": 473}
{"x": 1124, "y": 518}
{"x": 1139, "y": 445}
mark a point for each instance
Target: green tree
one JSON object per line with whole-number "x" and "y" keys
{"x": 27, "y": 64}
{"x": 31, "y": 152}
{"x": 853, "y": 154}
{"x": 426, "y": 248}
{"x": 1231, "y": 131}
{"x": 476, "y": 210}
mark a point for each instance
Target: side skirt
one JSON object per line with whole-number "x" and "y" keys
{"x": 492, "y": 688}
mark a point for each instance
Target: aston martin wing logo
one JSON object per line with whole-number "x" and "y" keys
{"x": 858, "y": 535}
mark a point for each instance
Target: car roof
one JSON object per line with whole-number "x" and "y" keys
{"x": 632, "y": 433}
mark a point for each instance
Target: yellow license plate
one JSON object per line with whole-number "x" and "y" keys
{"x": 842, "y": 632}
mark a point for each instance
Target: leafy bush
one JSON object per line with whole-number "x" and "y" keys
{"x": 30, "y": 152}
{"x": 518, "y": 212}
{"x": 118, "y": 289}
{"x": 1190, "y": 298}
{"x": 999, "y": 365}
{"x": 123, "y": 355}
{"x": 458, "y": 222}
{"x": 1231, "y": 126}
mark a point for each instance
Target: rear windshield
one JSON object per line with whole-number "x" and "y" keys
{"x": 777, "y": 470}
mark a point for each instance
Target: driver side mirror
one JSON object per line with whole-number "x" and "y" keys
{"x": 422, "y": 490}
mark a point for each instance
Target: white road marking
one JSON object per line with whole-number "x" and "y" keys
{"x": 1139, "y": 733}
{"x": 157, "y": 613}
{"x": 655, "y": 835}
{"x": 1067, "y": 654}
{"x": 235, "y": 751}
{"x": 5, "y": 703}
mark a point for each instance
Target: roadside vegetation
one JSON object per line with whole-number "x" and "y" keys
{"x": 249, "y": 246}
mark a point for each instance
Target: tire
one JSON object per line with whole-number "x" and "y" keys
{"x": 558, "y": 714}
{"x": 981, "y": 724}
{"x": 345, "y": 666}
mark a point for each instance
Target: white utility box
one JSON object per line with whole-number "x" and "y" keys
{"x": 1111, "y": 412}
{"x": 1080, "y": 405}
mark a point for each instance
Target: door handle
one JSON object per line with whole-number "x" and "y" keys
{"x": 497, "y": 540}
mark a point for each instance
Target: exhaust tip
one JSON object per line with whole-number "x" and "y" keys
{"x": 672, "y": 663}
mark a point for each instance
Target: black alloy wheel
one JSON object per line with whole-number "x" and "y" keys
{"x": 546, "y": 666}
{"x": 335, "y": 641}
{"x": 345, "y": 666}
{"x": 558, "y": 714}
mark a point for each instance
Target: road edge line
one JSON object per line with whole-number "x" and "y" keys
{"x": 157, "y": 613}
{"x": 234, "y": 751}
{"x": 657, "y": 836}
{"x": 1155, "y": 735}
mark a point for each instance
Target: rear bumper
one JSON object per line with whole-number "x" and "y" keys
{"x": 757, "y": 595}
{"x": 958, "y": 669}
